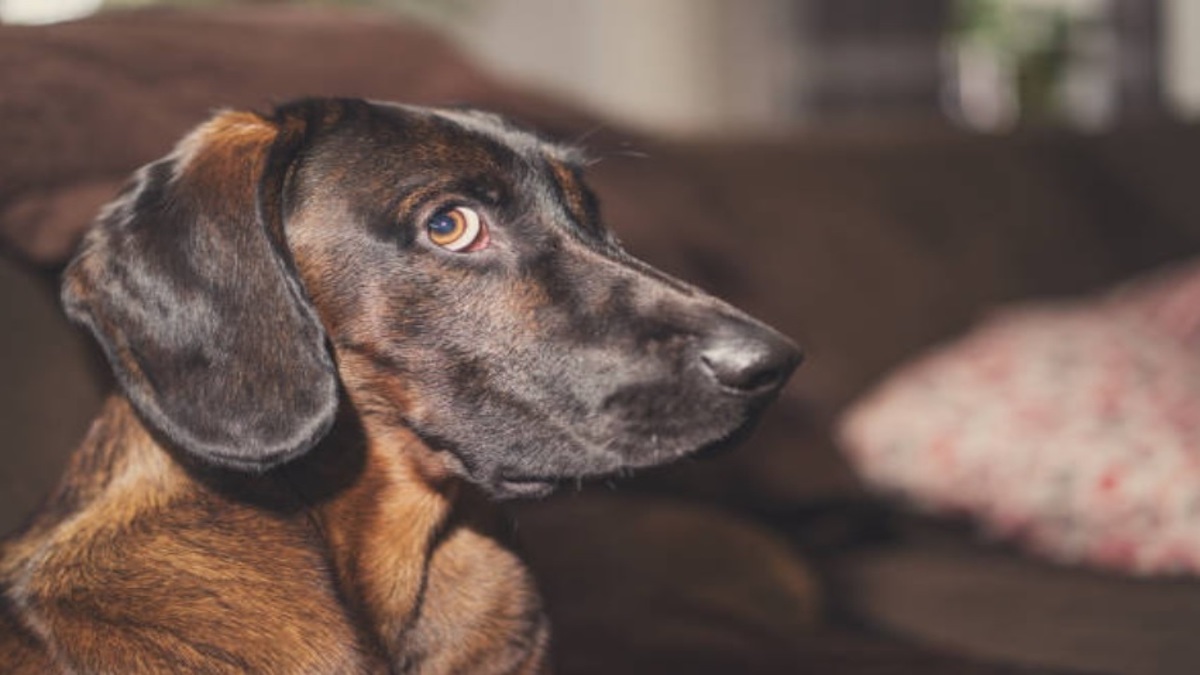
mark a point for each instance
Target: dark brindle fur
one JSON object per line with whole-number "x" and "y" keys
{"x": 316, "y": 401}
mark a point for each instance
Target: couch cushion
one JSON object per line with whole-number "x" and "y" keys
{"x": 49, "y": 394}
{"x": 1072, "y": 427}
{"x": 936, "y": 585}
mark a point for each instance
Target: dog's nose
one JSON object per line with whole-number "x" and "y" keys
{"x": 750, "y": 359}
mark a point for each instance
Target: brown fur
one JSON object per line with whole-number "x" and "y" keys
{"x": 391, "y": 565}
{"x": 142, "y": 564}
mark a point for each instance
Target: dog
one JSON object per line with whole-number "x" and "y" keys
{"x": 341, "y": 332}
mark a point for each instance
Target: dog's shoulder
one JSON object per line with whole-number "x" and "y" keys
{"x": 145, "y": 569}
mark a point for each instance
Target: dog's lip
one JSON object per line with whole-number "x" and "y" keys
{"x": 537, "y": 486}
{"x": 533, "y": 486}
{"x": 527, "y": 487}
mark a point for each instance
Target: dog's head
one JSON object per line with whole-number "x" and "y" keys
{"x": 447, "y": 269}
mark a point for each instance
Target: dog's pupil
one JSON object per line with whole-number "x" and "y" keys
{"x": 442, "y": 224}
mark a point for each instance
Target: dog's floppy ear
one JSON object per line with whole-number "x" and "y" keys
{"x": 187, "y": 283}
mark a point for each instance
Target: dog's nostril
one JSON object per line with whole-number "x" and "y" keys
{"x": 750, "y": 363}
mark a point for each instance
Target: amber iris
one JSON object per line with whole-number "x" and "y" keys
{"x": 455, "y": 229}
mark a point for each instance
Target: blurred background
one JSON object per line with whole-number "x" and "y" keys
{"x": 872, "y": 177}
{"x": 762, "y": 66}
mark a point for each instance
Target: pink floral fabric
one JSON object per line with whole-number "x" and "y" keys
{"x": 1072, "y": 428}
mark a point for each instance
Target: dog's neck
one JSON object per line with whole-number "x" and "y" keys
{"x": 422, "y": 552}
{"x": 403, "y": 538}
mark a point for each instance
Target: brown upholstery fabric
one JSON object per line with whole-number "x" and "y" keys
{"x": 935, "y": 586}
{"x": 647, "y": 586}
{"x": 48, "y": 393}
{"x": 85, "y": 103}
{"x": 868, "y": 250}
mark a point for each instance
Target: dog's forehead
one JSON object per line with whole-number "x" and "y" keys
{"x": 497, "y": 129}
{"x": 548, "y": 173}
{"x": 399, "y": 156}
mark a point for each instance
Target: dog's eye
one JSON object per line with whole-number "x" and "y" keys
{"x": 458, "y": 229}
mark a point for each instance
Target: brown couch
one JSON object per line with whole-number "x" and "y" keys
{"x": 865, "y": 247}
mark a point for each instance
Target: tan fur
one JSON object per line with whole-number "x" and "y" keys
{"x": 146, "y": 554}
{"x": 568, "y": 182}
{"x": 143, "y": 563}
{"x": 230, "y": 137}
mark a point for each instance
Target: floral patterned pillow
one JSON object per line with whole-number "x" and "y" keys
{"x": 1072, "y": 428}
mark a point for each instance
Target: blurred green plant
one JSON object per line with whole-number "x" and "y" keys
{"x": 1032, "y": 38}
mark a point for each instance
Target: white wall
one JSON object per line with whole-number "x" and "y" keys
{"x": 687, "y": 66}
{"x": 676, "y": 66}
{"x": 45, "y": 11}
{"x": 1181, "y": 33}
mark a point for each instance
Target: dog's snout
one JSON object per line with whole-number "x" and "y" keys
{"x": 749, "y": 359}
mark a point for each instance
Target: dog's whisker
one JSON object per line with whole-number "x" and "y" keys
{"x": 636, "y": 154}
{"x": 579, "y": 140}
